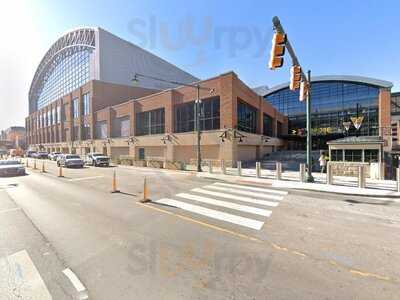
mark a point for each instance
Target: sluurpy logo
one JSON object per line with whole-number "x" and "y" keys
{"x": 202, "y": 35}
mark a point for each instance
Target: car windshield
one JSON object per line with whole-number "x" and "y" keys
{"x": 72, "y": 157}
{"x": 9, "y": 162}
{"x": 97, "y": 154}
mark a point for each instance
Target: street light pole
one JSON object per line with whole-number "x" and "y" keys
{"x": 198, "y": 128}
{"x": 197, "y": 108}
{"x": 309, "y": 178}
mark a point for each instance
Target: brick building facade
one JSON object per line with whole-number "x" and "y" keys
{"x": 237, "y": 123}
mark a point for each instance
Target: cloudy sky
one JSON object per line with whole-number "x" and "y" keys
{"x": 206, "y": 38}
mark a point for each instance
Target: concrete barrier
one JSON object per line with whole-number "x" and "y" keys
{"x": 239, "y": 168}
{"x": 329, "y": 177}
{"x": 258, "y": 169}
{"x": 398, "y": 179}
{"x": 278, "y": 170}
{"x": 361, "y": 177}
{"x": 223, "y": 167}
{"x": 302, "y": 173}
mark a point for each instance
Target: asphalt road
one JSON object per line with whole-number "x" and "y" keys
{"x": 196, "y": 238}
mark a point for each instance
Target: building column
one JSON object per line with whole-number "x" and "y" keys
{"x": 228, "y": 151}
{"x": 169, "y": 152}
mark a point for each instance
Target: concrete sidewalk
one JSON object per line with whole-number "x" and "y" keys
{"x": 290, "y": 180}
{"x": 342, "y": 185}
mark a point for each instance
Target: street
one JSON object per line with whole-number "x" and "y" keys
{"x": 196, "y": 238}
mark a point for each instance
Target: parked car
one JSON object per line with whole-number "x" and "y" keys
{"x": 70, "y": 160}
{"x": 11, "y": 168}
{"x": 41, "y": 155}
{"x": 98, "y": 159}
{"x": 30, "y": 153}
{"x": 53, "y": 155}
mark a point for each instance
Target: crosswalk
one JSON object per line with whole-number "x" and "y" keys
{"x": 243, "y": 205}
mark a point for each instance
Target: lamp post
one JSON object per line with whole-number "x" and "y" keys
{"x": 197, "y": 108}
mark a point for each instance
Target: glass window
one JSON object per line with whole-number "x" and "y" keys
{"x": 209, "y": 117}
{"x": 86, "y": 132}
{"x": 333, "y": 102}
{"x": 54, "y": 115}
{"x": 336, "y": 155}
{"x": 59, "y": 114}
{"x": 247, "y": 117}
{"x": 76, "y": 133}
{"x": 101, "y": 130}
{"x": 150, "y": 122}
{"x": 120, "y": 127}
{"x": 371, "y": 156}
{"x": 75, "y": 108}
{"x": 353, "y": 155}
{"x": 268, "y": 125}
{"x": 70, "y": 70}
{"x": 86, "y": 104}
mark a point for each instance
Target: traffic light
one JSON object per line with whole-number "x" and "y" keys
{"x": 303, "y": 90}
{"x": 277, "y": 51}
{"x": 295, "y": 77}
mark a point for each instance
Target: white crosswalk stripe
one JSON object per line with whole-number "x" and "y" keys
{"x": 211, "y": 213}
{"x": 251, "y": 188}
{"x": 245, "y": 208}
{"x": 221, "y": 196}
{"x": 235, "y": 197}
{"x": 246, "y": 193}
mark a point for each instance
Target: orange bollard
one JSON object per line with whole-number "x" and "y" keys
{"x": 114, "y": 183}
{"x": 145, "y": 192}
{"x": 60, "y": 171}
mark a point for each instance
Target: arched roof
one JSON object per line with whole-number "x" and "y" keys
{"x": 326, "y": 78}
{"x": 70, "y": 42}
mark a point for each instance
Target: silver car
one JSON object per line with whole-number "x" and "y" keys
{"x": 11, "y": 168}
{"x": 70, "y": 160}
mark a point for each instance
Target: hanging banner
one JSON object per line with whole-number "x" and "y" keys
{"x": 357, "y": 121}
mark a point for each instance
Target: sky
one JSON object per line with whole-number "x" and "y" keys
{"x": 206, "y": 38}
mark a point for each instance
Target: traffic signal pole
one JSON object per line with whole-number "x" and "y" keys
{"x": 278, "y": 27}
{"x": 309, "y": 177}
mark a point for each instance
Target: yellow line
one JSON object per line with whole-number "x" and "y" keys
{"x": 202, "y": 223}
{"x": 275, "y": 246}
{"x": 366, "y": 274}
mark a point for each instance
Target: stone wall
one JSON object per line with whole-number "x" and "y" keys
{"x": 348, "y": 168}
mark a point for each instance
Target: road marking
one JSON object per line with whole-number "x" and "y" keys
{"x": 245, "y": 208}
{"x": 86, "y": 178}
{"x": 275, "y": 246}
{"x": 9, "y": 210}
{"x": 211, "y": 213}
{"x": 251, "y": 188}
{"x": 76, "y": 282}
{"x": 24, "y": 280}
{"x": 234, "y": 197}
{"x": 245, "y": 193}
{"x": 234, "y": 233}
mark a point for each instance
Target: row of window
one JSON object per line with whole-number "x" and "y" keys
{"x": 153, "y": 122}
{"x": 370, "y": 155}
{"x": 332, "y": 104}
{"x": 53, "y": 116}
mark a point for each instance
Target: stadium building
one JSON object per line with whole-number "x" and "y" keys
{"x": 82, "y": 100}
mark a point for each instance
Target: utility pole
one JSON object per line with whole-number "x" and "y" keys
{"x": 279, "y": 44}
